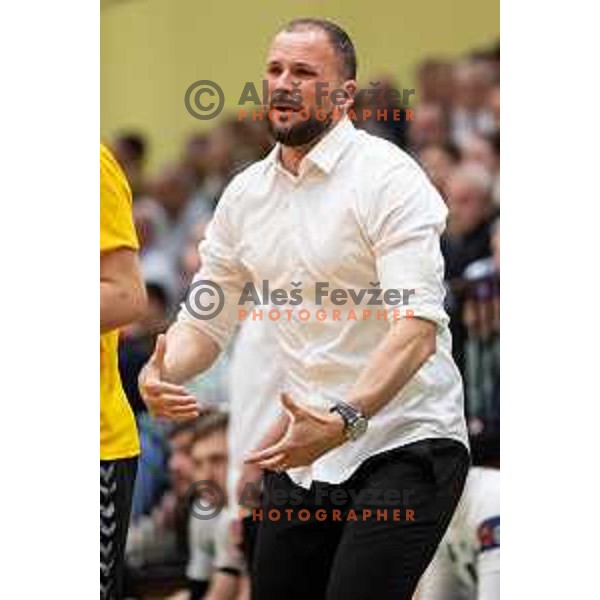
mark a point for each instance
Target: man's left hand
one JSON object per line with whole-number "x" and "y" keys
{"x": 310, "y": 434}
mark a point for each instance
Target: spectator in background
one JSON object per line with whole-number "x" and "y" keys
{"x": 153, "y": 229}
{"x": 393, "y": 130}
{"x": 214, "y": 565}
{"x": 214, "y": 157}
{"x": 490, "y": 56}
{"x": 435, "y": 82}
{"x": 429, "y": 126}
{"x": 473, "y": 80}
{"x": 480, "y": 149}
{"x": 481, "y": 318}
{"x": 195, "y": 157}
{"x": 157, "y": 548}
{"x": 471, "y": 214}
{"x": 173, "y": 191}
{"x": 164, "y": 220}
{"x": 485, "y": 150}
{"x": 251, "y": 141}
{"x": 151, "y": 224}
{"x": 481, "y": 313}
{"x": 219, "y": 159}
{"x": 439, "y": 161}
{"x": 130, "y": 150}
{"x": 466, "y": 239}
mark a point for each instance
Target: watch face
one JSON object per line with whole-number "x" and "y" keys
{"x": 359, "y": 427}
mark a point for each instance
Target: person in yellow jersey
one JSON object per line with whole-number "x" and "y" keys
{"x": 122, "y": 300}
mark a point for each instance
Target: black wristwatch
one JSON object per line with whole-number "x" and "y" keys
{"x": 355, "y": 423}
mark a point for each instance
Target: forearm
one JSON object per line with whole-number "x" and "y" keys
{"x": 406, "y": 347}
{"x": 120, "y": 305}
{"x": 190, "y": 352}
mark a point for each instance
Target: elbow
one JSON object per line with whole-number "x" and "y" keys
{"x": 428, "y": 340}
{"x": 123, "y": 298}
{"x": 138, "y": 302}
{"x": 133, "y": 303}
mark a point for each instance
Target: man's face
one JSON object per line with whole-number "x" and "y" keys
{"x": 428, "y": 126}
{"x": 304, "y": 57}
{"x": 435, "y": 83}
{"x": 479, "y": 150}
{"x": 438, "y": 165}
{"x": 467, "y": 204}
{"x": 181, "y": 466}
{"x": 172, "y": 189}
{"x": 209, "y": 457}
{"x": 472, "y": 84}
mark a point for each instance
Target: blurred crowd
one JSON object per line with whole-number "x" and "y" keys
{"x": 454, "y": 133}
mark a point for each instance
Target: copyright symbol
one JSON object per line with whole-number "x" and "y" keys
{"x": 206, "y": 499}
{"x": 204, "y": 99}
{"x": 209, "y": 306}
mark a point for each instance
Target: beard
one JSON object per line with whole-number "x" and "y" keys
{"x": 302, "y": 133}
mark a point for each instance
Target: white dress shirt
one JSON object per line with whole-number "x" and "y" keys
{"x": 359, "y": 212}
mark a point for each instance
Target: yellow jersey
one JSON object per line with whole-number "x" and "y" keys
{"x": 118, "y": 432}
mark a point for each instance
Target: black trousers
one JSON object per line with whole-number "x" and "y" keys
{"x": 250, "y": 532}
{"x": 116, "y": 490}
{"x": 369, "y": 537}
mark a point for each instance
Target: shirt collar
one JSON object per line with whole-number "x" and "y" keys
{"x": 328, "y": 151}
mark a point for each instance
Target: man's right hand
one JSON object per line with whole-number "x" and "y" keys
{"x": 163, "y": 399}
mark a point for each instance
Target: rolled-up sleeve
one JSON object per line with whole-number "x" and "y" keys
{"x": 212, "y": 300}
{"x": 404, "y": 221}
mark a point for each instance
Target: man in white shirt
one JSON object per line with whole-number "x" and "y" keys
{"x": 373, "y": 426}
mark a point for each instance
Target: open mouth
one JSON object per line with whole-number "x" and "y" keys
{"x": 285, "y": 107}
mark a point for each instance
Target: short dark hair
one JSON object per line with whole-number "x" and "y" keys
{"x": 452, "y": 150}
{"x": 181, "y": 427}
{"x": 215, "y": 421}
{"x": 202, "y": 426}
{"x": 339, "y": 39}
{"x": 135, "y": 143}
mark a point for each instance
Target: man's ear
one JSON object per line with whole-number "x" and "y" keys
{"x": 351, "y": 88}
